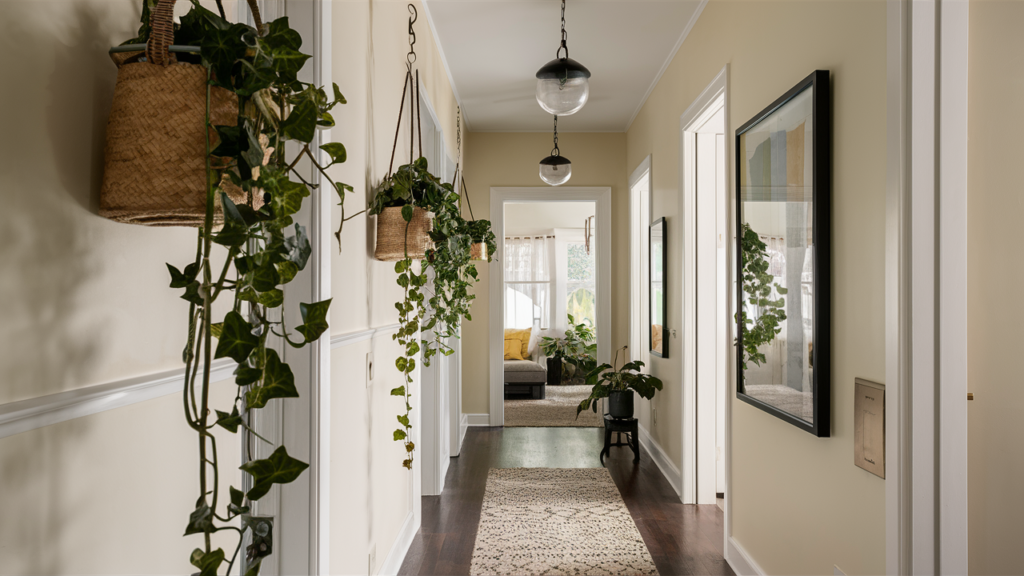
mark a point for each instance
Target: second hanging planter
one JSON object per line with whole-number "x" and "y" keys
{"x": 398, "y": 239}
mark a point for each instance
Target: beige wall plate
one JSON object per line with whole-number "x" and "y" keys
{"x": 869, "y": 426}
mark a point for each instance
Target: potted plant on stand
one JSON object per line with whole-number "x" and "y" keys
{"x": 618, "y": 385}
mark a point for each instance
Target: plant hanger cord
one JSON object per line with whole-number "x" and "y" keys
{"x": 413, "y": 94}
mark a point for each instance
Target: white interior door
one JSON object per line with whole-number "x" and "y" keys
{"x": 706, "y": 312}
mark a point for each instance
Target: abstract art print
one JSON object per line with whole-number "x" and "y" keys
{"x": 783, "y": 175}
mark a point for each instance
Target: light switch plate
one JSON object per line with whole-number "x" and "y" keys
{"x": 869, "y": 426}
{"x": 369, "y": 369}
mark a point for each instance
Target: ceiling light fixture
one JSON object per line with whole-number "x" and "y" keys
{"x": 563, "y": 84}
{"x": 555, "y": 169}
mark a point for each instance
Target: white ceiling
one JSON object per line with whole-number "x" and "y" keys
{"x": 493, "y": 49}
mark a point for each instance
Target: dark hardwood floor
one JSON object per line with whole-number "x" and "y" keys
{"x": 683, "y": 539}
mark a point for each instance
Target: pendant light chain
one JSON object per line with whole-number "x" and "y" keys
{"x": 411, "y": 56}
{"x": 564, "y": 36}
{"x": 555, "y": 152}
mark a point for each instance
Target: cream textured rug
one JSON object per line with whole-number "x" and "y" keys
{"x": 558, "y": 409}
{"x": 556, "y": 521}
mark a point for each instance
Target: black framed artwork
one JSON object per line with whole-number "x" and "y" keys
{"x": 783, "y": 215}
{"x": 658, "y": 296}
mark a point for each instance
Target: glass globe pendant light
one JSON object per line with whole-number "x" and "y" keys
{"x": 563, "y": 85}
{"x": 555, "y": 169}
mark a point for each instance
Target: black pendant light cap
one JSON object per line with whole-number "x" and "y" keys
{"x": 555, "y": 161}
{"x": 562, "y": 68}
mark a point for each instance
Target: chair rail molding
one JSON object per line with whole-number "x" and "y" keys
{"x": 25, "y": 415}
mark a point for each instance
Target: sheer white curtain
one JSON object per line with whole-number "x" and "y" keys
{"x": 529, "y": 281}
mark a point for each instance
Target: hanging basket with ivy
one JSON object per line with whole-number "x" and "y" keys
{"x": 155, "y": 158}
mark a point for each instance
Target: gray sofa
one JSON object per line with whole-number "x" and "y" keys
{"x": 526, "y": 376}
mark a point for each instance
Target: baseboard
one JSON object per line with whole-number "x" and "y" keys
{"x": 668, "y": 469}
{"x": 393, "y": 563}
{"x": 740, "y": 561}
{"x": 478, "y": 419}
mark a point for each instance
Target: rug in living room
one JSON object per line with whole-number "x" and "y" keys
{"x": 557, "y": 410}
{"x": 556, "y": 521}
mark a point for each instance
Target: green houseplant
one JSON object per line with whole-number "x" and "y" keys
{"x": 572, "y": 356}
{"x": 758, "y": 285}
{"x": 618, "y": 386}
{"x": 447, "y": 297}
{"x": 265, "y": 249}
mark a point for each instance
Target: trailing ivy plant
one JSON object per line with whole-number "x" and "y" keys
{"x": 758, "y": 285}
{"x": 265, "y": 250}
{"x": 447, "y": 298}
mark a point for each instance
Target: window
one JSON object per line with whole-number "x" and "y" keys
{"x": 529, "y": 281}
{"x": 580, "y": 283}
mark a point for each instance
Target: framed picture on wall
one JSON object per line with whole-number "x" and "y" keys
{"x": 783, "y": 192}
{"x": 658, "y": 279}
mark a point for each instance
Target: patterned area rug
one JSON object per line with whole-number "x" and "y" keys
{"x": 558, "y": 409}
{"x": 556, "y": 521}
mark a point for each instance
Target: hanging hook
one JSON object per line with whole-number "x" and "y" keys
{"x": 411, "y": 57}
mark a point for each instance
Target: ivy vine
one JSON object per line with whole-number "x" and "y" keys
{"x": 265, "y": 250}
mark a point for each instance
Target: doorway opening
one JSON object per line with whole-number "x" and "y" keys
{"x": 550, "y": 296}
{"x": 550, "y": 315}
{"x": 707, "y": 329}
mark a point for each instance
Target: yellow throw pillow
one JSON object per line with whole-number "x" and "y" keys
{"x": 513, "y": 349}
{"x": 524, "y": 337}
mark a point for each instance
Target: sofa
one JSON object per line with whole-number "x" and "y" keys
{"x": 525, "y": 370}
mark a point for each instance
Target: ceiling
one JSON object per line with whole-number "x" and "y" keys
{"x": 493, "y": 48}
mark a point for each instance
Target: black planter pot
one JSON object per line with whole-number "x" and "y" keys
{"x": 554, "y": 371}
{"x": 620, "y": 403}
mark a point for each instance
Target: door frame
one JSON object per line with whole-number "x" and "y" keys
{"x": 638, "y": 327}
{"x": 925, "y": 286}
{"x": 602, "y": 198}
{"x": 714, "y": 98}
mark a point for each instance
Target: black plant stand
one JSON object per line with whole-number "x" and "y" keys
{"x": 620, "y": 425}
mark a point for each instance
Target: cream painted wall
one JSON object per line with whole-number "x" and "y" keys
{"x": 510, "y": 159}
{"x": 799, "y": 505}
{"x": 85, "y": 301}
{"x": 370, "y": 490}
{"x": 994, "y": 213}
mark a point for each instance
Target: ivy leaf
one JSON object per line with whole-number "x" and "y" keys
{"x": 236, "y": 340}
{"x": 200, "y": 520}
{"x": 289, "y": 197}
{"x": 207, "y": 562}
{"x": 287, "y": 270}
{"x": 278, "y": 382}
{"x": 407, "y": 211}
{"x": 301, "y": 123}
{"x": 314, "y": 319}
{"x": 271, "y": 299}
{"x": 297, "y": 247}
{"x": 229, "y": 421}
{"x": 229, "y": 141}
{"x": 338, "y": 97}
{"x": 400, "y": 435}
{"x": 266, "y": 278}
{"x": 337, "y": 152}
{"x": 235, "y": 507}
{"x": 192, "y": 293}
{"x": 400, "y": 391}
{"x": 245, "y": 375}
{"x": 235, "y": 231}
{"x": 221, "y": 49}
{"x": 280, "y": 468}
{"x": 341, "y": 188}
{"x": 182, "y": 279}
{"x": 216, "y": 329}
{"x": 280, "y": 34}
{"x": 252, "y": 152}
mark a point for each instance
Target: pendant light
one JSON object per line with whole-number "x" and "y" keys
{"x": 555, "y": 169}
{"x": 563, "y": 84}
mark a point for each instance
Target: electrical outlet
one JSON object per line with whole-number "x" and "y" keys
{"x": 369, "y": 369}
{"x": 372, "y": 561}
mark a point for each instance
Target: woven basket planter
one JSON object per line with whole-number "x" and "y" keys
{"x": 155, "y": 159}
{"x": 478, "y": 251}
{"x": 392, "y": 235}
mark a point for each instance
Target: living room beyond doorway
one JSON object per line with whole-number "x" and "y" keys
{"x": 550, "y": 312}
